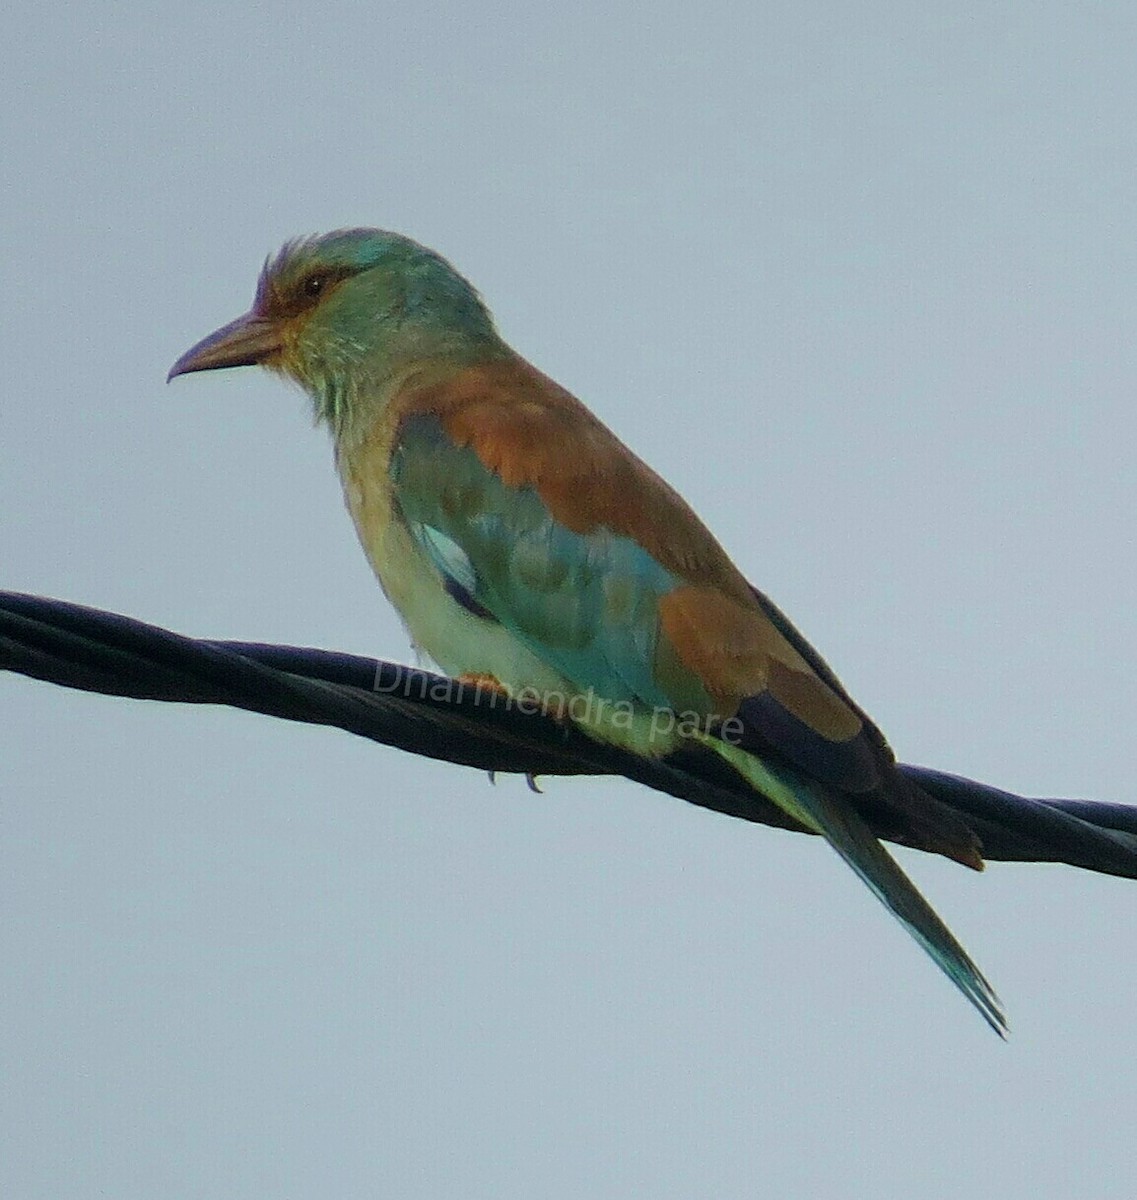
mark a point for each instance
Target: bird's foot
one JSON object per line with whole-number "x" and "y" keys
{"x": 490, "y": 683}
{"x": 481, "y": 681}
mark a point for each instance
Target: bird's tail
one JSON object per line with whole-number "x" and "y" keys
{"x": 846, "y": 831}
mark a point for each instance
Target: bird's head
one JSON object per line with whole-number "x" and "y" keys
{"x": 344, "y": 313}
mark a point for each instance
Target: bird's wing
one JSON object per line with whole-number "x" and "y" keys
{"x": 586, "y": 603}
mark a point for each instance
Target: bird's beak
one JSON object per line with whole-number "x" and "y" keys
{"x": 242, "y": 343}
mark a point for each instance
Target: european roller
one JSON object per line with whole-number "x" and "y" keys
{"x": 527, "y": 548}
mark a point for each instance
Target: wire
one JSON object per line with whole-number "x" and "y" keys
{"x": 423, "y": 713}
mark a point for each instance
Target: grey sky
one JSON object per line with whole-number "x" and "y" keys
{"x": 859, "y": 280}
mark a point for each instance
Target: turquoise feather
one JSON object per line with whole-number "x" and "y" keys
{"x": 588, "y": 603}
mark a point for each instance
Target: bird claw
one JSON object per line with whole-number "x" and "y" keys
{"x": 530, "y": 780}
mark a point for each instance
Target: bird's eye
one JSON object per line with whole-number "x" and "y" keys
{"x": 314, "y": 285}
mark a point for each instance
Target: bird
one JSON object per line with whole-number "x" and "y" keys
{"x": 529, "y": 551}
